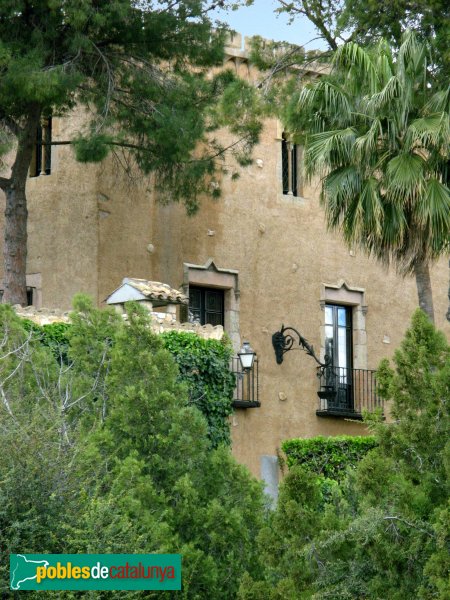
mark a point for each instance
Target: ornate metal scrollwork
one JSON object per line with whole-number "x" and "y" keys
{"x": 282, "y": 342}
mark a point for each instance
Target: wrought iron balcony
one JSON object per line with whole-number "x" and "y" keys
{"x": 246, "y": 393}
{"x": 347, "y": 392}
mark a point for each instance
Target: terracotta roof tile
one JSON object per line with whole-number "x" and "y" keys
{"x": 155, "y": 290}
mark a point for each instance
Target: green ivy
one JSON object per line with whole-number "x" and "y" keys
{"x": 205, "y": 367}
{"x": 328, "y": 456}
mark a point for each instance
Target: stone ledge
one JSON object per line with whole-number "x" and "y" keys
{"x": 159, "y": 324}
{"x": 42, "y": 316}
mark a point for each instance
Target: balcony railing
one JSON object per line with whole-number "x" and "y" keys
{"x": 347, "y": 392}
{"x": 246, "y": 393}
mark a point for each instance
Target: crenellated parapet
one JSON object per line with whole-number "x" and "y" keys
{"x": 238, "y": 51}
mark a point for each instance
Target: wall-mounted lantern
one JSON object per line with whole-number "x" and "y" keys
{"x": 246, "y": 356}
{"x": 287, "y": 339}
{"x": 245, "y": 368}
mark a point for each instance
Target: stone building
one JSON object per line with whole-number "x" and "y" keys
{"x": 257, "y": 258}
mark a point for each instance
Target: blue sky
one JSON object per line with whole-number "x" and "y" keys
{"x": 260, "y": 19}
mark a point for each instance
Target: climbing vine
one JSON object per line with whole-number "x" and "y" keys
{"x": 205, "y": 367}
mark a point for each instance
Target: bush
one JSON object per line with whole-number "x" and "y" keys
{"x": 382, "y": 531}
{"x": 328, "y": 456}
{"x": 204, "y": 365}
{"x": 54, "y": 336}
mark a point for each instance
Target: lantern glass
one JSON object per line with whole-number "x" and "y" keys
{"x": 246, "y": 356}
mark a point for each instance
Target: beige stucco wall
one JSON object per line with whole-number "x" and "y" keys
{"x": 125, "y": 226}
{"x": 90, "y": 226}
{"x": 280, "y": 247}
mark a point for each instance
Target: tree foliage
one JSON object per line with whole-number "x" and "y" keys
{"x": 383, "y": 531}
{"x": 203, "y": 366}
{"x": 143, "y": 72}
{"x": 341, "y": 21}
{"x": 377, "y": 132}
{"x": 138, "y": 67}
{"x": 106, "y": 454}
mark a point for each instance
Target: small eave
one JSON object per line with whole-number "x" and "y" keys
{"x": 159, "y": 294}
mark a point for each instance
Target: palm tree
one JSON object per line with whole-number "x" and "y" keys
{"x": 376, "y": 130}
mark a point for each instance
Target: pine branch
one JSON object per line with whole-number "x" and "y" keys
{"x": 315, "y": 17}
{"x": 146, "y": 149}
{"x": 409, "y": 524}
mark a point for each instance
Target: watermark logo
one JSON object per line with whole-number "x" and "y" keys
{"x": 95, "y": 571}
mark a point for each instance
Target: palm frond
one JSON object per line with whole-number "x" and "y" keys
{"x": 404, "y": 178}
{"x": 339, "y": 189}
{"x": 432, "y": 214}
{"x": 329, "y": 150}
{"x": 391, "y": 237}
{"x": 325, "y": 97}
{"x": 432, "y": 130}
{"x": 412, "y": 57}
{"x": 371, "y": 207}
{"x": 384, "y": 62}
{"x": 392, "y": 89}
{"x": 439, "y": 102}
{"x": 367, "y": 144}
{"x": 336, "y": 100}
{"x": 352, "y": 55}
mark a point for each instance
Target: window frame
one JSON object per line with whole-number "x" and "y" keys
{"x": 336, "y": 327}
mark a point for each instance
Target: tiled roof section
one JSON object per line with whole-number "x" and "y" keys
{"x": 155, "y": 290}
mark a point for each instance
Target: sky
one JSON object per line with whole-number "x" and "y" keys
{"x": 260, "y": 19}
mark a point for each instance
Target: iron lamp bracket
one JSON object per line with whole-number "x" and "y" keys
{"x": 287, "y": 339}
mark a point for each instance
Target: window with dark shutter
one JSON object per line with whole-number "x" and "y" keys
{"x": 206, "y": 305}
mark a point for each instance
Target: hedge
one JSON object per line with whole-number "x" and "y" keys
{"x": 328, "y": 456}
{"x": 53, "y": 335}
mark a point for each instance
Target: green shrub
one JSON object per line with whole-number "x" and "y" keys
{"x": 203, "y": 366}
{"x": 383, "y": 530}
{"x": 108, "y": 454}
{"x": 328, "y": 456}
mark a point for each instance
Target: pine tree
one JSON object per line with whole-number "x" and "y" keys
{"x": 139, "y": 67}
